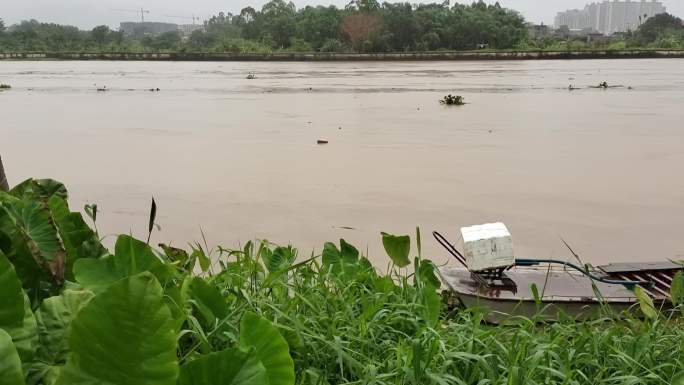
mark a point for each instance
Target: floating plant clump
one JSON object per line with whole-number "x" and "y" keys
{"x": 453, "y": 100}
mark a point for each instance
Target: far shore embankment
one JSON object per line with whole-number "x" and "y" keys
{"x": 320, "y": 56}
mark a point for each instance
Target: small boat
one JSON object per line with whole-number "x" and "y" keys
{"x": 552, "y": 289}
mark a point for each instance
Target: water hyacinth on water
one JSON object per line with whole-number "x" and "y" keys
{"x": 73, "y": 312}
{"x": 453, "y": 100}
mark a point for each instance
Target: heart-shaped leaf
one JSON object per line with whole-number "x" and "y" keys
{"x": 397, "y": 248}
{"x": 10, "y": 364}
{"x": 270, "y": 347}
{"x": 125, "y": 335}
{"x": 645, "y": 303}
{"x": 54, "y": 319}
{"x": 16, "y": 317}
{"x": 131, "y": 257}
{"x": 227, "y": 367}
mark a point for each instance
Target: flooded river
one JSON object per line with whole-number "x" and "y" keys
{"x": 238, "y": 158}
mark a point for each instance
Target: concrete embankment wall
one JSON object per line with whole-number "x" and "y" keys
{"x": 464, "y": 55}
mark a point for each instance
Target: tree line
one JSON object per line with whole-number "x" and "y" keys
{"x": 361, "y": 26}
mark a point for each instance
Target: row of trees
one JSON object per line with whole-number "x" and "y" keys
{"x": 362, "y": 26}
{"x": 367, "y": 25}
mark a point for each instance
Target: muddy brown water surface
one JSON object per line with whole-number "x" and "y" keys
{"x": 604, "y": 169}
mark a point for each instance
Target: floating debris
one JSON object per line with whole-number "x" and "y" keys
{"x": 251, "y": 76}
{"x": 453, "y": 100}
{"x": 345, "y": 227}
{"x": 5, "y": 87}
{"x": 322, "y": 141}
{"x": 154, "y": 89}
{"x": 101, "y": 89}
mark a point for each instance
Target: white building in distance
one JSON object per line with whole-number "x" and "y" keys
{"x": 609, "y": 17}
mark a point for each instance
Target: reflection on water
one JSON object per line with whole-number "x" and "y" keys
{"x": 238, "y": 157}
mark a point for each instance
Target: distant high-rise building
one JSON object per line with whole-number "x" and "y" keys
{"x": 609, "y": 17}
{"x": 138, "y": 29}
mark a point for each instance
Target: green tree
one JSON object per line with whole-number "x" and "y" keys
{"x": 659, "y": 27}
{"x": 319, "y": 25}
{"x": 100, "y": 35}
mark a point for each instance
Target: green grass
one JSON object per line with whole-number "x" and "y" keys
{"x": 366, "y": 330}
{"x": 327, "y": 318}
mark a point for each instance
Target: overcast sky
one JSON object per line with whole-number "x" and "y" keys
{"x": 89, "y": 13}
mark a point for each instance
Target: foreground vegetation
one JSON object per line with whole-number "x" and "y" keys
{"x": 362, "y": 26}
{"x": 73, "y": 312}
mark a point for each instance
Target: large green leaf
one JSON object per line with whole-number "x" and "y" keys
{"x": 124, "y": 336}
{"x": 432, "y": 303}
{"x": 131, "y": 257}
{"x": 398, "y": 248}
{"x": 54, "y": 318}
{"x": 39, "y": 189}
{"x": 78, "y": 239}
{"x": 426, "y": 273}
{"x": 227, "y": 367}
{"x": 34, "y": 279}
{"x": 12, "y": 299}
{"x": 645, "y": 303}
{"x": 278, "y": 259}
{"x": 270, "y": 346}
{"x": 34, "y": 226}
{"x": 24, "y": 333}
{"x": 16, "y": 317}
{"x": 11, "y": 372}
{"x": 345, "y": 259}
{"x": 677, "y": 288}
{"x": 206, "y": 300}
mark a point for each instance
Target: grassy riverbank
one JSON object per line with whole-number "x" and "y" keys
{"x": 75, "y": 313}
{"x": 319, "y": 56}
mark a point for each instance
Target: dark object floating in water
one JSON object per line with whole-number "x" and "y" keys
{"x": 154, "y": 89}
{"x": 251, "y": 76}
{"x": 322, "y": 141}
{"x": 453, "y": 100}
{"x": 604, "y": 85}
{"x": 5, "y": 87}
{"x": 101, "y": 89}
{"x": 572, "y": 88}
{"x": 345, "y": 227}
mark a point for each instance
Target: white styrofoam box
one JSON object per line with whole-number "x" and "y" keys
{"x": 487, "y": 246}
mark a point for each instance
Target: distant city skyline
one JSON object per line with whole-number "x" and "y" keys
{"x": 610, "y": 17}
{"x": 87, "y": 14}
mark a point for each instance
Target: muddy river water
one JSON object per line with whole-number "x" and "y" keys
{"x": 238, "y": 158}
